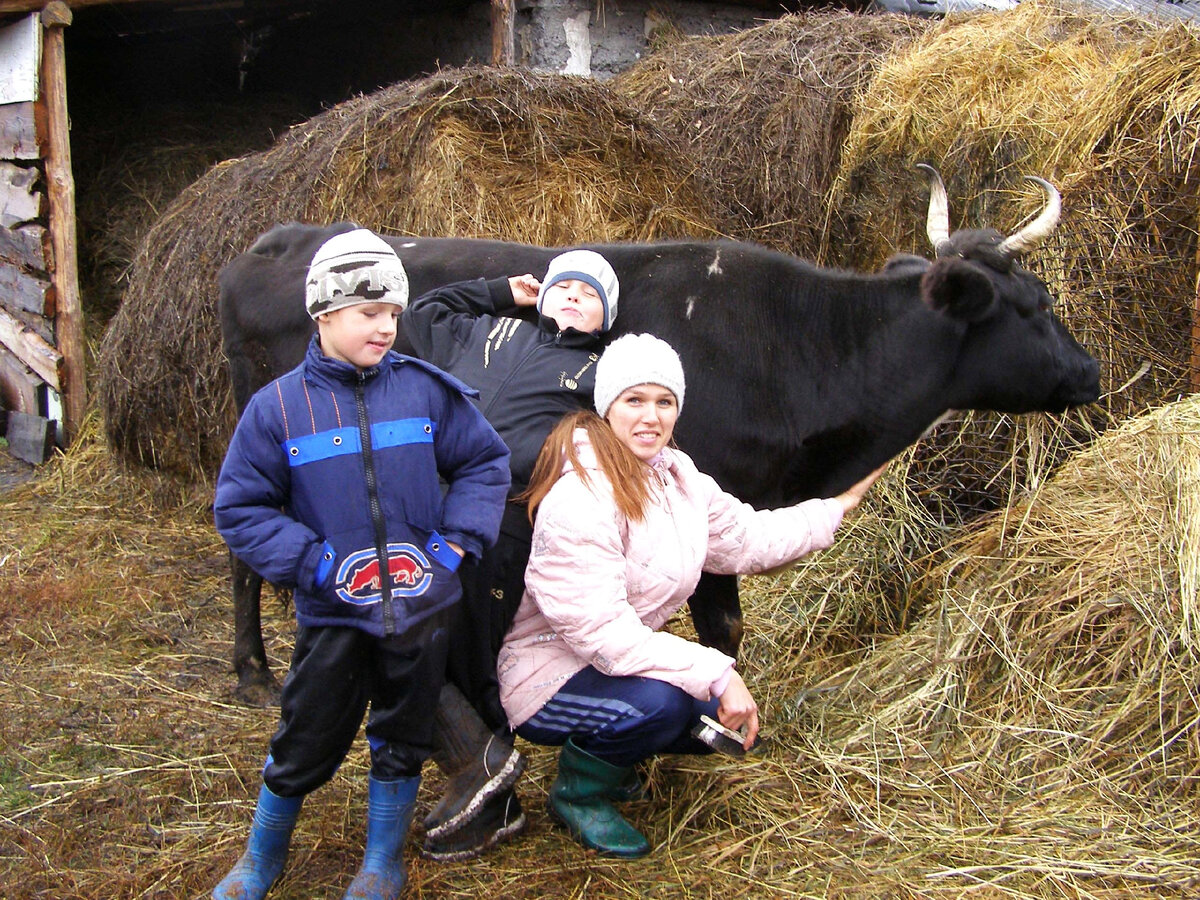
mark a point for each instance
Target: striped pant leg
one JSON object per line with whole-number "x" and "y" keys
{"x": 619, "y": 719}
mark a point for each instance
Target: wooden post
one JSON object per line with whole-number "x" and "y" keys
{"x": 503, "y": 19}
{"x": 60, "y": 190}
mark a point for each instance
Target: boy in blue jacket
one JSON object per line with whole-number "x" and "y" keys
{"x": 331, "y": 486}
{"x": 529, "y": 374}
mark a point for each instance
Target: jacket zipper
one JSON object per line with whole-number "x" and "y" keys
{"x": 502, "y": 389}
{"x": 381, "y": 549}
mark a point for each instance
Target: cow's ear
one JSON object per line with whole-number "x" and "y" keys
{"x": 957, "y": 288}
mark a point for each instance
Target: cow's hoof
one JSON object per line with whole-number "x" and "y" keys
{"x": 257, "y": 692}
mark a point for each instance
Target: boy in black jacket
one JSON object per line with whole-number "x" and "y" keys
{"x": 528, "y": 376}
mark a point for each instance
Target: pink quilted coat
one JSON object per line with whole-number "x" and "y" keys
{"x": 599, "y": 587}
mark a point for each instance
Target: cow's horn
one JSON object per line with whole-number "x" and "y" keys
{"x": 1039, "y": 229}
{"x": 937, "y": 226}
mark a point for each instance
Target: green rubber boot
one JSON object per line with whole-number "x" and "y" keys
{"x": 579, "y": 799}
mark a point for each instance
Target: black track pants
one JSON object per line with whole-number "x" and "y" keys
{"x": 336, "y": 673}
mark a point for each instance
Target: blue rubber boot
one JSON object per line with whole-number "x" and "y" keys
{"x": 266, "y": 850}
{"x": 389, "y": 812}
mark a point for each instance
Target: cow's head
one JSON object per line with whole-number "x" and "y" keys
{"x": 1016, "y": 356}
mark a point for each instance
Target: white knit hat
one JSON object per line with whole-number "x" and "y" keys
{"x": 354, "y": 267}
{"x": 590, "y": 267}
{"x": 636, "y": 359}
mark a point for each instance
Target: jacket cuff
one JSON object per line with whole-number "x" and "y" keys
{"x": 717, "y": 688}
{"x": 471, "y": 545}
{"x": 500, "y": 292}
{"x": 836, "y": 513}
{"x": 310, "y": 563}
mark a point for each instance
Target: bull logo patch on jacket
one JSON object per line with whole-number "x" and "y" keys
{"x": 358, "y": 579}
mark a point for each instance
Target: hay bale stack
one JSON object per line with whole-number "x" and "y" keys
{"x": 1049, "y": 691}
{"x": 473, "y": 152}
{"x": 1104, "y": 107}
{"x": 767, "y": 110}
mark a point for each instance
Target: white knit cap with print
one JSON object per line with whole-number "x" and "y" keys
{"x": 590, "y": 267}
{"x": 637, "y": 359}
{"x": 354, "y": 267}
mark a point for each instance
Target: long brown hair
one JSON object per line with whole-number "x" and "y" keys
{"x": 629, "y": 476}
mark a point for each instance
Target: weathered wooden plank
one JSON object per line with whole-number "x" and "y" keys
{"x": 19, "y": 385}
{"x": 30, "y": 438}
{"x": 39, "y": 325}
{"x": 20, "y": 44}
{"x": 31, "y": 349}
{"x": 18, "y": 131}
{"x": 28, "y": 292}
{"x": 60, "y": 188}
{"x": 27, "y": 246}
{"x": 19, "y": 202}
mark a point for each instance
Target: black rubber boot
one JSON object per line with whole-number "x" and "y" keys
{"x": 500, "y": 819}
{"x": 580, "y": 800}
{"x": 477, "y": 763}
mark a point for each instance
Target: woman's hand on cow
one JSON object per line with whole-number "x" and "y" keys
{"x": 736, "y": 709}
{"x": 525, "y": 289}
{"x": 852, "y": 496}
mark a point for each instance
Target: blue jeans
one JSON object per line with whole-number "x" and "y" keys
{"x": 619, "y": 719}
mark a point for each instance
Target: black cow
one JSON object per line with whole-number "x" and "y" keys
{"x": 800, "y": 379}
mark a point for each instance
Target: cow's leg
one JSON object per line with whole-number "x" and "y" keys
{"x": 256, "y": 685}
{"x": 717, "y": 612}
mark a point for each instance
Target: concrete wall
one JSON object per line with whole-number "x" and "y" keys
{"x": 600, "y": 38}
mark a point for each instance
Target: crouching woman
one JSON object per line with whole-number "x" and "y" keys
{"x": 625, "y": 524}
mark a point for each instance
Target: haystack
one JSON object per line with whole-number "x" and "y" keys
{"x": 473, "y": 152}
{"x": 767, "y": 109}
{"x": 1045, "y": 705}
{"x": 1103, "y": 106}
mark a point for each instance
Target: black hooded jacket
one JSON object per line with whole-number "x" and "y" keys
{"x": 528, "y": 376}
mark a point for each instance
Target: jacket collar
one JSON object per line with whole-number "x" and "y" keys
{"x": 570, "y": 337}
{"x": 325, "y": 369}
{"x": 665, "y": 466}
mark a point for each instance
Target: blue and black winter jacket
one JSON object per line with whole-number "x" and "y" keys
{"x": 333, "y": 486}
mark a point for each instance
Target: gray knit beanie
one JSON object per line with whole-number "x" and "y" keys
{"x": 636, "y": 359}
{"x": 590, "y": 267}
{"x": 354, "y": 267}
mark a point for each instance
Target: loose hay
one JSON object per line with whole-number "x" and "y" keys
{"x": 473, "y": 152}
{"x": 767, "y": 109}
{"x": 128, "y": 168}
{"x": 1050, "y": 690}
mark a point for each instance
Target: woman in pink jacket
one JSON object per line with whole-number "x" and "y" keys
{"x": 625, "y": 525}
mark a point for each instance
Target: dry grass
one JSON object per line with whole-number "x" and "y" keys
{"x": 768, "y": 109}
{"x": 1032, "y": 735}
